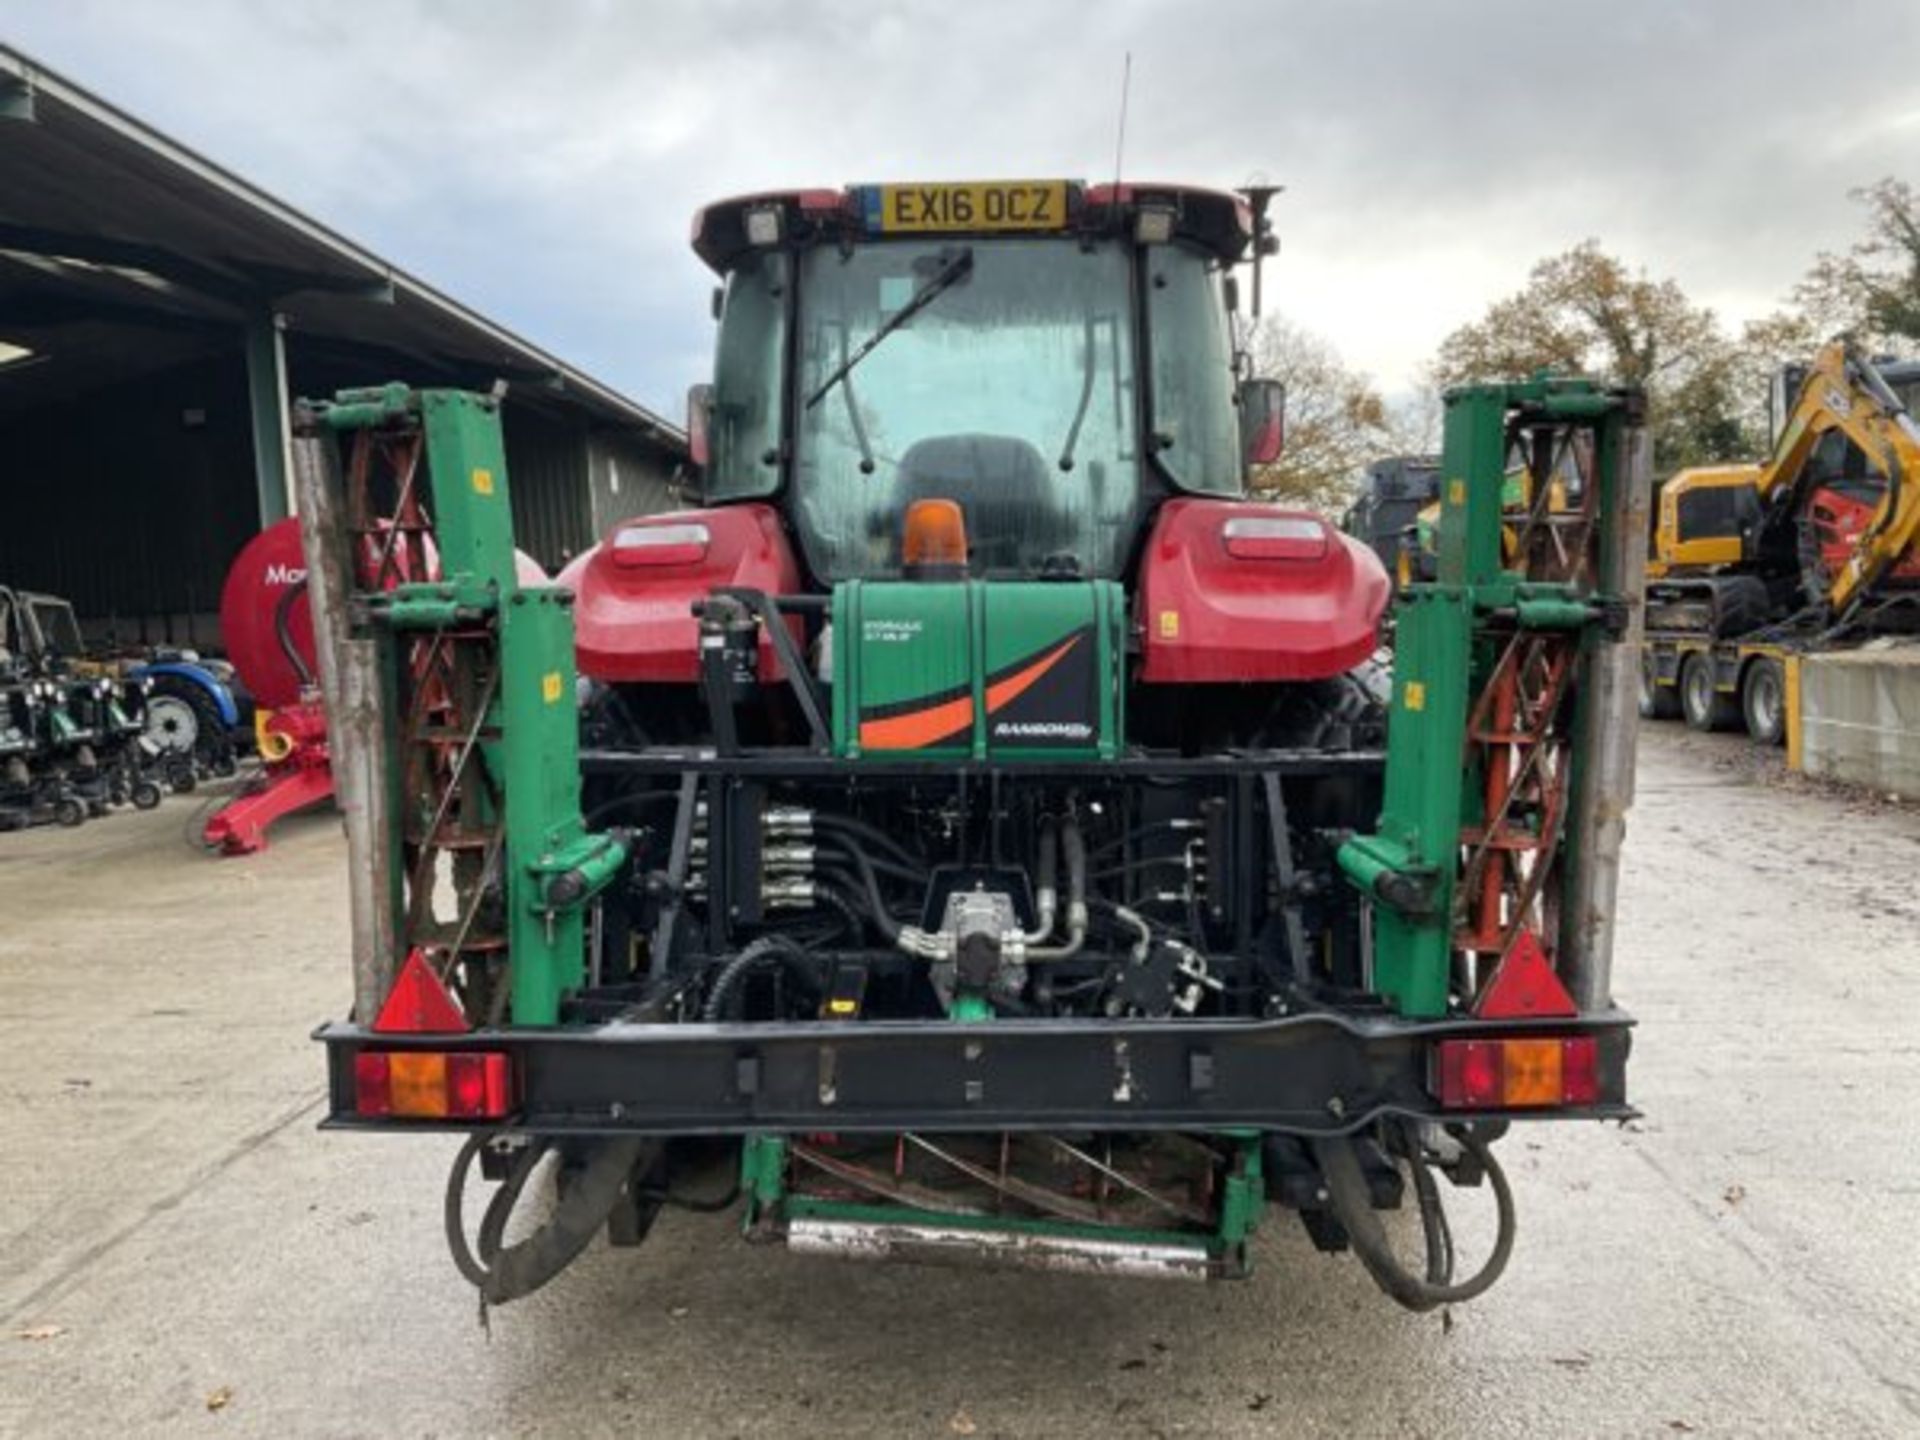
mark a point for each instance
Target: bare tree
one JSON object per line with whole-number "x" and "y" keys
{"x": 1337, "y": 420}
{"x": 1873, "y": 290}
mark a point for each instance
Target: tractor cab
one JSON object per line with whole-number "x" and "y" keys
{"x": 1052, "y": 365}
{"x": 1052, "y": 358}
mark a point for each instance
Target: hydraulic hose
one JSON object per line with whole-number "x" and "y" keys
{"x": 874, "y": 836}
{"x": 502, "y": 1272}
{"x": 628, "y": 802}
{"x": 766, "y": 952}
{"x": 1046, "y": 899}
{"x": 838, "y": 882}
{"x": 1073, "y": 847}
{"x": 283, "y": 632}
{"x": 877, "y": 902}
{"x": 1352, "y": 1205}
{"x": 839, "y": 847}
{"x": 852, "y": 925}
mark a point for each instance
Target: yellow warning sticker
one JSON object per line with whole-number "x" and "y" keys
{"x": 1414, "y": 697}
{"x": 1456, "y": 492}
{"x": 1169, "y": 624}
{"x": 483, "y": 482}
{"x": 551, "y": 687}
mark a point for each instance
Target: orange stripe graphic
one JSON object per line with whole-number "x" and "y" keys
{"x": 917, "y": 728}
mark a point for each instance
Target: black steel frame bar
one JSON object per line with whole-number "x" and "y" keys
{"x": 801, "y": 764}
{"x": 1316, "y": 1073}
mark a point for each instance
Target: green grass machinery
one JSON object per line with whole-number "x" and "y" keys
{"x": 977, "y": 832}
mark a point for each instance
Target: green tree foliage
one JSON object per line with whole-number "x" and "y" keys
{"x": 1586, "y": 312}
{"x": 1873, "y": 290}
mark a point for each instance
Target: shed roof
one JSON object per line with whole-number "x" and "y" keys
{"x": 109, "y": 228}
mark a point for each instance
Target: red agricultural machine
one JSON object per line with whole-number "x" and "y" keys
{"x": 269, "y": 638}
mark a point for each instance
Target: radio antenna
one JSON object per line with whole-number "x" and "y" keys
{"x": 1120, "y": 140}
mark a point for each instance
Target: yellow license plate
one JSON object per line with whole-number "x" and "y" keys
{"x": 978, "y": 205}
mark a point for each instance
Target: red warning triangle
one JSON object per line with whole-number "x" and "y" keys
{"x": 1524, "y": 986}
{"x": 419, "y": 1004}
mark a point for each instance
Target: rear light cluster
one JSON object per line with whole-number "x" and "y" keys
{"x": 1518, "y": 1074}
{"x": 678, "y": 544}
{"x": 1275, "y": 537}
{"x": 432, "y": 1084}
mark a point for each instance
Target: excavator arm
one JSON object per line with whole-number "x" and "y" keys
{"x": 1844, "y": 392}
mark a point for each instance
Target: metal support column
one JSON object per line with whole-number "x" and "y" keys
{"x": 353, "y": 677}
{"x": 482, "y": 749}
{"x": 267, "y": 401}
{"x": 1510, "y": 740}
{"x": 1609, "y": 720}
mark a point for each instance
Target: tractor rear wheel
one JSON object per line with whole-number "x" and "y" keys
{"x": 1704, "y": 707}
{"x": 183, "y": 720}
{"x": 1763, "y": 702}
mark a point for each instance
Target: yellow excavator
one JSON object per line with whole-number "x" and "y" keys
{"x": 1828, "y": 526}
{"x": 1817, "y": 546}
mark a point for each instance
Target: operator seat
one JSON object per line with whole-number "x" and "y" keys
{"x": 1003, "y": 486}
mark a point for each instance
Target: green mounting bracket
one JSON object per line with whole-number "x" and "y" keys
{"x": 1443, "y": 656}
{"x": 553, "y": 865}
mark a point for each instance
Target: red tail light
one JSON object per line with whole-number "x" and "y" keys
{"x": 1523, "y": 1073}
{"x": 433, "y": 1084}
{"x": 680, "y": 544}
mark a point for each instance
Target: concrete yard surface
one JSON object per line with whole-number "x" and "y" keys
{"x": 182, "y": 1252}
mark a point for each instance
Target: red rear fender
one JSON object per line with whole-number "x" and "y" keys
{"x": 1236, "y": 591}
{"x": 634, "y": 591}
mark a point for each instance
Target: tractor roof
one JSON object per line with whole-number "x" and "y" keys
{"x": 1215, "y": 220}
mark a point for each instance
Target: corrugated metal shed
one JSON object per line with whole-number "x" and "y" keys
{"x": 165, "y": 308}
{"x": 628, "y": 479}
{"x": 132, "y": 500}
{"x": 547, "y": 462}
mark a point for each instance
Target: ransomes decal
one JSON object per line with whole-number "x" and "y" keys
{"x": 1045, "y": 698}
{"x": 1053, "y": 701}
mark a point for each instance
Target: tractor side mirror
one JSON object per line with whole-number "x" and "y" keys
{"x": 1263, "y": 421}
{"x": 699, "y": 416}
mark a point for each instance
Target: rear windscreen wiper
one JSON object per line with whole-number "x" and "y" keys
{"x": 1086, "y": 399}
{"x": 948, "y": 273}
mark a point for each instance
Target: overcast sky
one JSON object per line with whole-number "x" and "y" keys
{"x": 541, "y": 161}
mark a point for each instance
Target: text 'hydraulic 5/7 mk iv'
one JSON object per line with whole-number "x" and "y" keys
{"x": 979, "y": 831}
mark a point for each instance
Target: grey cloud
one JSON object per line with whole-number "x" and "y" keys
{"x": 542, "y": 160}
